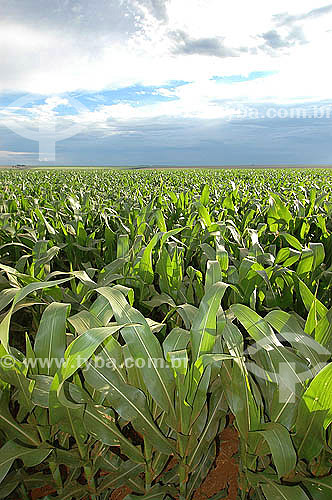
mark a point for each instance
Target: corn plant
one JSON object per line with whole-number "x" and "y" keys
{"x": 137, "y": 313}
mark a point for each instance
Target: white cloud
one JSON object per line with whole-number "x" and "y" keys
{"x": 80, "y": 54}
{"x": 14, "y": 153}
{"x": 43, "y": 57}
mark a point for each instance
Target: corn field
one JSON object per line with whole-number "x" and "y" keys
{"x": 140, "y": 311}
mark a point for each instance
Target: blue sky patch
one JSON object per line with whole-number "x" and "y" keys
{"x": 137, "y": 95}
{"x": 254, "y": 75}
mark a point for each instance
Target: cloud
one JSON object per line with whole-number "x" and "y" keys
{"x": 289, "y": 29}
{"x": 273, "y": 39}
{"x": 200, "y": 46}
{"x": 78, "y": 45}
{"x": 90, "y": 49}
{"x": 198, "y": 126}
{"x": 105, "y": 18}
{"x": 8, "y": 154}
{"x": 286, "y": 19}
{"x": 158, "y": 8}
{"x": 193, "y": 141}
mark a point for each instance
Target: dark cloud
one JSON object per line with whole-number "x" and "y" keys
{"x": 81, "y": 17}
{"x": 183, "y": 141}
{"x": 274, "y": 41}
{"x": 285, "y": 19}
{"x": 287, "y": 32}
{"x": 73, "y": 30}
{"x": 105, "y": 19}
{"x": 200, "y": 46}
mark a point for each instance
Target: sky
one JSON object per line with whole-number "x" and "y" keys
{"x": 165, "y": 82}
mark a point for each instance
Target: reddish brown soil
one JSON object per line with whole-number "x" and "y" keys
{"x": 41, "y": 492}
{"x": 120, "y": 493}
{"x": 223, "y": 475}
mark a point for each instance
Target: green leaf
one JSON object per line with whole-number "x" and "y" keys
{"x": 255, "y": 325}
{"x": 318, "y": 397}
{"x": 203, "y": 331}
{"x": 204, "y": 199}
{"x": 309, "y": 438}
{"x": 16, "y": 378}
{"x": 82, "y": 348}
{"x": 76, "y": 491}
{"x": 8, "y": 485}
{"x": 30, "y": 456}
{"x": 83, "y": 321}
{"x": 179, "y": 362}
{"x": 129, "y": 402}
{"x": 6, "y": 296}
{"x": 292, "y": 241}
{"x": 113, "y": 463}
{"x": 202, "y": 470}
{"x": 217, "y": 409}
{"x": 204, "y": 214}
{"x": 306, "y": 262}
{"x": 289, "y": 328}
{"x": 213, "y": 273}
{"x": 323, "y": 331}
{"x": 281, "y": 446}
{"x": 143, "y": 345}
{"x": 21, "y": 294}
{"x": 319, "y": 254}
{"x": 176, "y": 340}
{"x": 122, "y": 246}
{"x": 145, "y": 266}
{"x": 13, "y": 429}
{"x": 278, "y": 214}
{"x": 238, "y": 386}
{"x": 41, "y": 389}
{"x": 50, "y": 341}
{"x": 314, "y": 415}
{"x": 259, "y": 329}
{"x": 275, "y": 491}
{"x": 123, "y": 475}
{"x": 100, "y": 422}
{"x": 320, "y": 488}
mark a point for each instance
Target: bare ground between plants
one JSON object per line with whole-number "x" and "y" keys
{"x": 223, "y": 475}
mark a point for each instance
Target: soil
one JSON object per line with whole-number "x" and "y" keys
{"x": 120, "y": 493}
{"x": 41, "y": 492}
{"x": 224, "y": 474}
